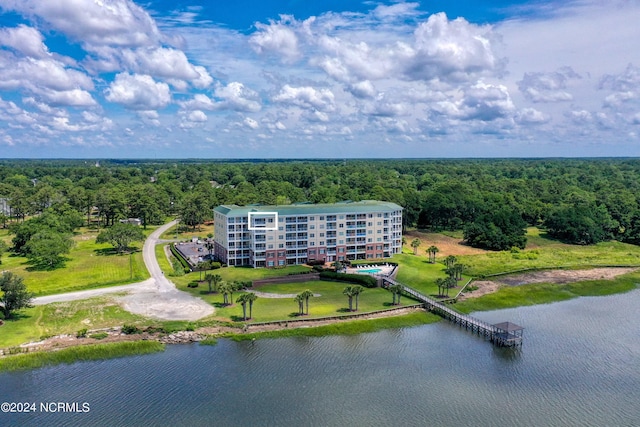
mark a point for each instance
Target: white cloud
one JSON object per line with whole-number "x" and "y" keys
{"x": 548, "y": 87}
{"x": 236, "y": 96}
{"x": 160, "y": 62}
{"x": 26, "y": 40}
{"x": 277, "y": 38}
{"x": 197, "y": 116}
{"x": 138, "y": 92}
{"x": 531, "y": 116}
{"x": 250, "y": 123}
{"x": 363, "y": 89}
{"x": 93, "y": 22}
{"x": 307, "y": 97}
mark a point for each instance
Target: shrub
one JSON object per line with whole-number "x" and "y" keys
{"x": 99, "y": 335}
{"x": 315, "y": 262}
{"x": 366, "y": 281}
{"x": 190, "y": 327}
{"x": 193, "y": 284}
{"x": 130, "y": 329}
{"x": 82, "y": 333}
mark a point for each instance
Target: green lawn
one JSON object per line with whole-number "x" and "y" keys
{"x": 331, "y": 301}
{"x": 88, "y": 265}
{"x": 543, "y": 293}
{"x": 552, "y": 256}
{"x": 35, "y": 323}
{"x": 417, "y": 273}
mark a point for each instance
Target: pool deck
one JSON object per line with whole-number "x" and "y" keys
{"x": 385, "y": 269}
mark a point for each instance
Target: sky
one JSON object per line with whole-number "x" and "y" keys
{"x": 319, "y": 79}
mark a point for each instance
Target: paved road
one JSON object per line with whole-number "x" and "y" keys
{"x": 155, "y": 297}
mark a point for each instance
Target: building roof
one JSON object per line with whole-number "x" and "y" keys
{"x": 363, "y": 206}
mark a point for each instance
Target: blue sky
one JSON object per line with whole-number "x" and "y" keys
{"x": 330, "y": 79}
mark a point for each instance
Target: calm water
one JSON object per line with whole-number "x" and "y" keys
{"x": 579, "y": 366}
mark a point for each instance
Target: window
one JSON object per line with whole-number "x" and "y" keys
{"x": 312, "y": 218}
{"x": 321, "y": 242}
{"x": 321, "y": 218}
{"x": 369, "y": 240}
{"x": 270, "y": 246}
{"x": 312, "y": 235}
{"x": 280, "y": 228}
{"x": 313, "y": 227}
{"x": 312, "y": 243}
{"x": 369, "y": 231}
{"x": 321, "y": 251}
{"x": 280, "y": 245}
{"x": 270, "y": 263}
{"x": 379, "y": 239}
{"x": 341, "y": 217}
{"x": 341, "y": 242}
{"x": 322, "y": 226}
{"x": 341, "y": 226}
{"x": 281, "y": 262}
{"x": 321, "y": 234}
{"x": 341, "y": 233}
{"x": 340, "y": 249}
{"x": 369, "y": 224}
{"x": 281, "y": 237}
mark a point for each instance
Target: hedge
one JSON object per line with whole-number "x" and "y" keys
{"x": 179, "y": 257}
{"x": 366, "y": 281}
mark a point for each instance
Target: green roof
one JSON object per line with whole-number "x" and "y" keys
{"x": 364, "y": 206}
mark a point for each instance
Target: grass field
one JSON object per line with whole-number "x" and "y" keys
{"x": 186, "y": 233}
{"x": 34, "y": 324}
{"x": 331, "y": 301}
{"x": 89, "y": 265}
{"x": 347, "y": 328}
{"x": 416, "y": 272}
{"x": 543, "y": 293}
{"x": 79, "y": 353}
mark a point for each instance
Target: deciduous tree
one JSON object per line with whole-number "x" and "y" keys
{"x": 15, "y": 295}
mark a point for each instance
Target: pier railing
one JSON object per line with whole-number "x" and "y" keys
{"x": 507, "y": 336}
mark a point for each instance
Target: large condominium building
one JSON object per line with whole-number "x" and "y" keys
{"x": 270, "y": 236}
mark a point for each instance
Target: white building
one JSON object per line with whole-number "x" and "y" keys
{"x": 271, "y": 236}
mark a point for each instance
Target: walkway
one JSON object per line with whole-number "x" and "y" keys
{"x": 504, "y": 334}
{"x": 156, "y": 297}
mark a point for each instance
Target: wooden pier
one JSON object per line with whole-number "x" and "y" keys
{"x": 504, "y": 334}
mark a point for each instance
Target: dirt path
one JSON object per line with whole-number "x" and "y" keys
{"x": 156, "y": 297}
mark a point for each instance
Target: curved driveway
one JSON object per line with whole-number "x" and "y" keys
{"x": 155, "y": 297}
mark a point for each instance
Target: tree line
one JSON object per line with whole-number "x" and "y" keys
{"x": 580, "y": 201}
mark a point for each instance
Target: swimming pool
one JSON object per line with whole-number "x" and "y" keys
{"x": 370, "y": 271}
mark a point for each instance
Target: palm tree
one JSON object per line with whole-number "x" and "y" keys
{"x": 224, "y": 288}
{"x": 300, "y": 300}
{"x": 209, "y": 280}
{"x": 450, "y": 260}
{"x": 348, "y": 291}
{"x": 432, "y": 251}
{"x": 458, "y": 270}
{"x": 440, "y": 283}
{"x": 234, "y": 286}
{"x": 217, "y": 279}
{"x": 414, "y": 244}
{"x": 306, "y": 295}
{"x": 242, "y": 299}
{"x": 357, "y": 290}
{"x": 251, "y": 297}
{"x": 396, "y": 290}
{"x": 337, "y": 265}
{"x": 449, "y": 283}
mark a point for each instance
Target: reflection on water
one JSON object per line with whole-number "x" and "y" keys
{"x": 578, "y": 367}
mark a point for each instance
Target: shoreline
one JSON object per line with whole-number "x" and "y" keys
{"x": 355, "y": 324}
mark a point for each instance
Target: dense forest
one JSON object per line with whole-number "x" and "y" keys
{"x": 581, "y": 201}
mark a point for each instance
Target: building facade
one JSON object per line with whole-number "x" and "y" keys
{"x": 272, "y": 236}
